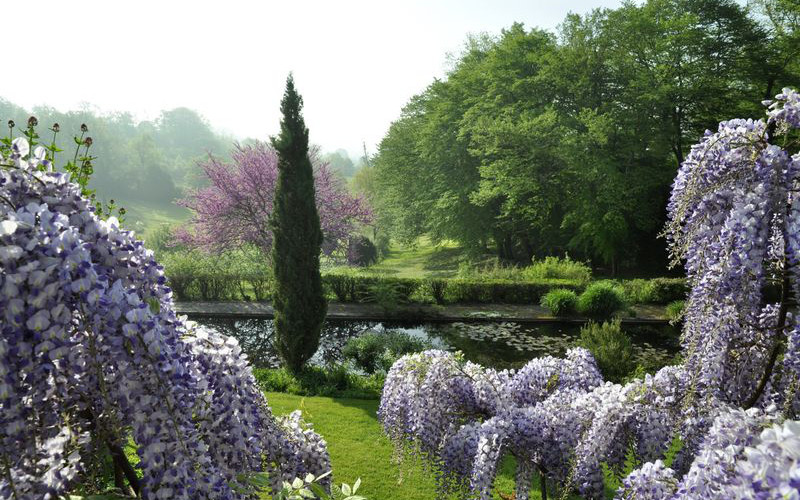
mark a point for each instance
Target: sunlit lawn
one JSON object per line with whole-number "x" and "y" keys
{"x": 358, "y": 448}
{"x": 422, "y": 260}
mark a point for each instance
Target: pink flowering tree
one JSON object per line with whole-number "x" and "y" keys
{"x": 236, "y": 207}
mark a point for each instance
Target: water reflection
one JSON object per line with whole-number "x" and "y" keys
{"x": 497, "y": 344}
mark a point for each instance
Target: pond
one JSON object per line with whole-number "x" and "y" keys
{"x": 495, "y": 344}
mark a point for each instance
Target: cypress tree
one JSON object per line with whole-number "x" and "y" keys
{"x": 298, "y": 300}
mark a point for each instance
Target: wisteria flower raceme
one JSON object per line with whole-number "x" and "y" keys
{"x": 735, "y": 222}
{"x": 92, "y": 353}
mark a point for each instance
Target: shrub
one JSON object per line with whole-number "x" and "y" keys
{"x": 378, "y": 351}
{"x": 503, "y": 291}
{"x": 361, "y": 251}
{"x": 600, "y": 300}
{"x": 636, "y": 291}
{"x": 655, "y": 291}
{"x": 666, "y": 290}
{"x": 333, "y": 381}
{"x": 675, "y": 311}
{"x": 386, "y": 293}
{"x": 437, "y": 288}
{"x": 342, "y": 284}
{"x": 611, "y": 348}
{"x": 558, "y": 268}
{"x": 560, "y": 302}
{"x": 492, "y": 269}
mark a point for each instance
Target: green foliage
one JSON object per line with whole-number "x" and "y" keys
{"x": 611, "y": 348}
{"x": 560, "y": 302}
{"x": 601, "y": 300}
{"x": 234, "y": 275}
{"x": 349, "y": 285}
{"x": 335, "y": 381}
{"x": 493, "y": 291}
{"x": 559, "y": 268}
{"x": 298, "y": 299}
{"x": 342, "y": 283}
{"x": 636, "y": 291}
{"x": 374, "y": 351}
{"x": 666, "y": 290}
{"x": 654, "y": 291}
{"x": 437, "y": 289}
{"x": 493, "y": 269}
{"x": 310, "y": 487}
{"x": 537, "y": 142}
{"x": 361, "y": 251}
{"x": 675, "y": 311}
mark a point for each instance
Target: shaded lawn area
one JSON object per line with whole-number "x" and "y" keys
{"x": 423, "y": 260}
{"x": 359, "y": 448}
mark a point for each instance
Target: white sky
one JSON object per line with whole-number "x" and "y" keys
{"x": 356, "y": 63}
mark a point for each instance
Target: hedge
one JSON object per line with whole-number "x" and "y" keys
{"x": 655, "y": 291}
{"x": 504, "y": 291}
{"x": 353, "y": 287}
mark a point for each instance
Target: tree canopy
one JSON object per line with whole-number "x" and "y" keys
{"x": 538, "y": 143}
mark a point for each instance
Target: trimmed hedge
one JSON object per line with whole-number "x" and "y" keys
{"x": 666, "y": 290}
{"x": 197, "y": 277}
{"x": 504, "y": 291}
{"x": 352, "y": 287}
{"x": 215, "y": 286}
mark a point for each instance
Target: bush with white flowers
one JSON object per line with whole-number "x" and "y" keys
{"x": 93, "y": 355}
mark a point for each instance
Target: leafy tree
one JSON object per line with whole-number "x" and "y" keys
{"x": 340, "y": 162}
{"x": 236, "y": 207}
{"x": 537, "y": 143}
{"x": 720, "y": 424}
{"x": 299, "y": 301}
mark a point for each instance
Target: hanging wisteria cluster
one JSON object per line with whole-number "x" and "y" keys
{"x": 92, "y": 355}
{"x": 718, "y": 426}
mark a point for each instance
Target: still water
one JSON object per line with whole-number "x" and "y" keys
{"x": 495, "y": 344}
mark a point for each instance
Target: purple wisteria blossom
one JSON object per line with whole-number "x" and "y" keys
{"x": 731, "y": 405}
{"x": 237, "y": 206}
{"x": 92, "y": 353}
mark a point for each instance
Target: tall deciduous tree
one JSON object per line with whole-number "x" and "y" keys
{"x": 299, "y": 302}
{"x": 236, "y": 207}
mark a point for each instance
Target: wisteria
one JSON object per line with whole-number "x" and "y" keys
{"x": 720, "y": 425}
{"x": 92, "y": 355}
{"x": 237, "y": 206}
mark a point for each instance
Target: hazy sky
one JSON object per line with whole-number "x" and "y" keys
{"x": 356, "y": 63}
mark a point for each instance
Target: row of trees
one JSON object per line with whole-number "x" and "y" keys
{"x": 149, "y": 163}
{"x": 539, "y": 143}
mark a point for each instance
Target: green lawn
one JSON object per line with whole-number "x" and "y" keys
{"x": 358, "y": 448}
{"x": 142, "y": 217}
{"x": 422, "y": 260}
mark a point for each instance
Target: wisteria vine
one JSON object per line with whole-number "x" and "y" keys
{"x": 720, "y": 425}
{"x": 92, "y": 355}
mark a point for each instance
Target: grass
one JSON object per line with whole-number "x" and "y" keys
{"x": 358, "y": 448}
{"x": 143, "y": 218}
{"x": 422, "y": 260}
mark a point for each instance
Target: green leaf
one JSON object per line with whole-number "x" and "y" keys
{"x": 346, "y": 489}
{"x": 356, "y": 485}
{"x": 319, "y": 491}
